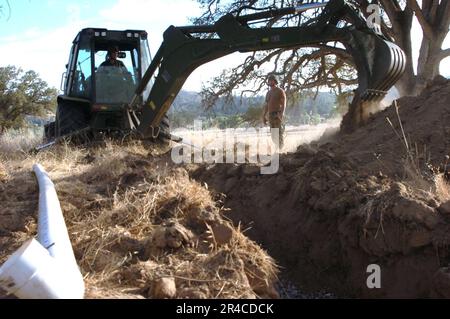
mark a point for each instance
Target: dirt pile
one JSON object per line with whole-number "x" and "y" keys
{"x": 139, "y": 227}
{"x": 378, "y": 196}
{"x": 425, "y": 121}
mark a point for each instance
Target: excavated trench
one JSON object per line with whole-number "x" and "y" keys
{"x": 369, "y": 198}
{"x": 325, "y": 226}
{"x": 261, "y": 206}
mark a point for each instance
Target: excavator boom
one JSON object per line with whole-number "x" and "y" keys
{"x": 378, "y": 61}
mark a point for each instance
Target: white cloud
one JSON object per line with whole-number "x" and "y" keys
{"x": 153, "y": 16}
{"x": 74, "y": 13}
{"x": 47, "y": 52}
{"x": 44, "y": 52}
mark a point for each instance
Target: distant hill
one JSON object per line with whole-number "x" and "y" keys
{"x": 191, "y": 101}
{"x": 188, "y": 106}
{"x": 308, "y": 109}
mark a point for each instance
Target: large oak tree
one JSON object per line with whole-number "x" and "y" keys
{"x": 329, "y": 65}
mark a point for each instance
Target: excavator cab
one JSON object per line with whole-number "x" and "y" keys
{"x": 96, "y": 93}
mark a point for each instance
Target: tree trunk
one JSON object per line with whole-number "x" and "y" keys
{"x": 406, "y": 84}
{"x": 428, "y": 64}
{"x": 433, "y": 18}
{"x": 427, "y": 67}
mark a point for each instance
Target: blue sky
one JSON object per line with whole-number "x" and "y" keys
{"x": 39, "y": 33}
{"x": 46, "y": 14}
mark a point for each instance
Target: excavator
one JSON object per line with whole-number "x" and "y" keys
{"x": 134, "y": 99}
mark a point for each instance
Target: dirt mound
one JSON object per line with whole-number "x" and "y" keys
{"x": 425, "y": 122}
{"x": 140, "y": 228}
{"x": 378, "y": 196}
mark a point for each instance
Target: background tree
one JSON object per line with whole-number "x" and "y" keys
{"x": 330, "y": 65}
{"x": 434, "y": 19}
{"x": 23, "y": 94}
{"x": 5, "y": 9}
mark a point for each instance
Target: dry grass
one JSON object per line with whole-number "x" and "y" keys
{"x": 442, "y": 188}
{"x": 294, "y": 136}
{"x": 16, "y": 142}
{"x": 418, "y": 170}
{"x": 3, "y": 172}
{"x": 134, "y": 218}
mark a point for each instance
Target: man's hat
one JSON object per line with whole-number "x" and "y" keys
{"x": 113, "y": 48}
{"x": 272, "y": 77}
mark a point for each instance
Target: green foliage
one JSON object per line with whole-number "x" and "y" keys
{"x": 306, "y": 107}
{"x": 253, "y": 115}
{"x": 182, "y": 118}
{"x": 23, "y": 94}
{"x": 223, "y": 122}
{"x": 342, "y": 102}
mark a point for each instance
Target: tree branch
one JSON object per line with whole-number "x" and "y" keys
{"x": 426, "y": 27}
{"x": 343, "y": 54}
{"x": 444, "y": 54}
{"x": 444, "y": 16}
{"x": 392, "y": 10}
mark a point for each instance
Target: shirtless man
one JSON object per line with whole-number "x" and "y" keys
{"x": 274, "y": 107}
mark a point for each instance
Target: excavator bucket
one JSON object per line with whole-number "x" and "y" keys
{"x": 380, "y": 64}
{"x": 388, "y": 66}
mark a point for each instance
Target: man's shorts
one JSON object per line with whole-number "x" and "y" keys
{"x": 276, "y": 123}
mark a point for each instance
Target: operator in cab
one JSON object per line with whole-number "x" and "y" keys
{"x": 111, "y": 58}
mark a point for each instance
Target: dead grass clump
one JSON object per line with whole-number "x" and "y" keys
{"x": 442, "y": 188}
{"x": 14, "y": 143}
{"x": 134, "y": 219}
{"x": 420, "y": 174}
{"x": 260, "y": 269}
{"x": 106, "y": 169}
{"x": 3, "y": 172}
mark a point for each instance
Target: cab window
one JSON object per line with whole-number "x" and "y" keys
{"x": 115, "y": 84}
{"x": 82, "y": 75}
